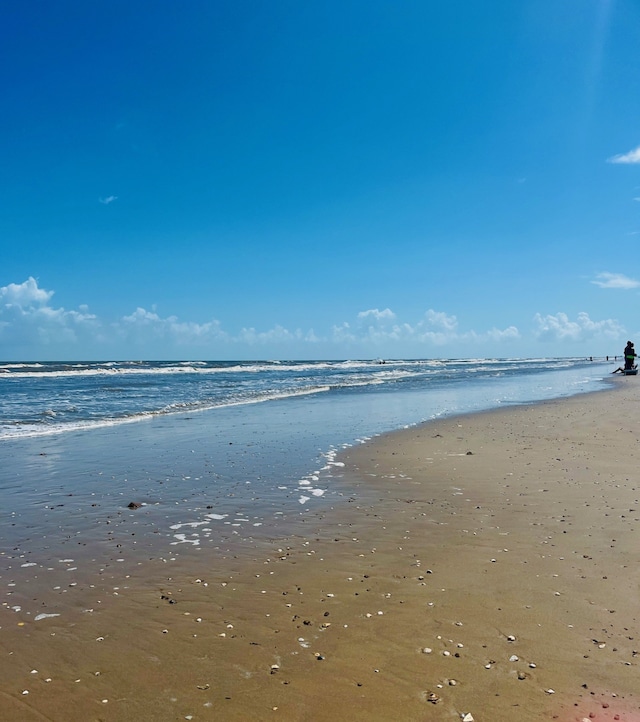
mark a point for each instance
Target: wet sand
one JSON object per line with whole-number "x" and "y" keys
{"x": 485, "y": 565}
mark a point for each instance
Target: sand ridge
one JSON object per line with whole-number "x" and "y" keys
{"x": 483, "y": 566}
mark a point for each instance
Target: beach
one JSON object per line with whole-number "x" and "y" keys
{"x": 478, "y": 567}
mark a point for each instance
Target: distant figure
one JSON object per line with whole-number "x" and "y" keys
{"x": 629, "y": 358}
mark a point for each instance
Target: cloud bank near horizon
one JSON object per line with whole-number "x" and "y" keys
{"x": 29, "y": 321}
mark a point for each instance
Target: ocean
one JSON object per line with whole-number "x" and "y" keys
{"x": 211, "y": 456}
{"x": 51, "y": 398}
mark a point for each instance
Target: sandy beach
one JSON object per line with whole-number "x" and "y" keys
{"x": 483, "y": 567}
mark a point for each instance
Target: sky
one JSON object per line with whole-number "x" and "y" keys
{"x": 327, "y": 179}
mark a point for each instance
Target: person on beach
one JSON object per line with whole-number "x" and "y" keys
{"x": 629, "y": 358}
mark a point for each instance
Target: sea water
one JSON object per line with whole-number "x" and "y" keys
{"x": 51, "y": 398}
{"x": 216, "y": 452}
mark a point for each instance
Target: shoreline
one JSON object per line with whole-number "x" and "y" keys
{"x": 457, "y": 535}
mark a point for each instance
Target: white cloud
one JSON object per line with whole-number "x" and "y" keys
{"x": 441, "y": 320}
{"x": 343, "y": 334}
{"x": 25, "y": 294}
{"x": 561, "y": 328}
{"x": 376, "y": 315}
{"x": 633, "y": 156}
{"x": 26, "y": 319}
{"x": 508, "y": 334}
{"x": 145, "y": 326}
{"x": 277, "y": 334}
{"x": 108, "y": 199}
{"x": 615, "y": 280}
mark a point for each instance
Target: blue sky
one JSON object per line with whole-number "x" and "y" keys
{"x": 248, "y": 179}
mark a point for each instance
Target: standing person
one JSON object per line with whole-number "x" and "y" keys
{"x": 629, "y": 356}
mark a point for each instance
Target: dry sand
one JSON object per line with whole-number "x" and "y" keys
{"x": 485, "y": 565}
